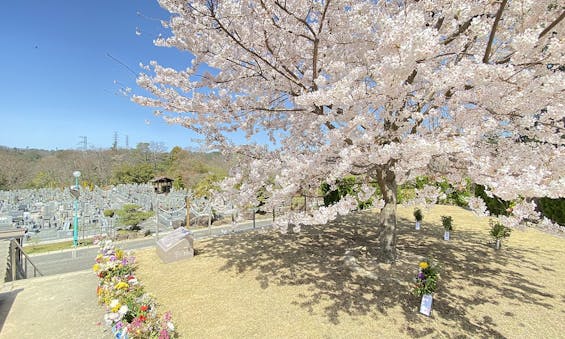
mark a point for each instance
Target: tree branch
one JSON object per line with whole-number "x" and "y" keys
{"x": 323, "y": 16}
{"x": 250, "y": 51}
{"x": 493, "y": 31}
{"x": 462, "y": 29}
{"x": 283, "y": 7}
{"x": 553, "y": 24}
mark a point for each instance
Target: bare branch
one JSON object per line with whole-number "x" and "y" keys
{"x": 461, "y": 30}
{"x": 493, "y": 31}
{"x": 276, "y": 110}
{"x": 323, "y": 16}
{"x": 252, "y": 52}
{"x": 283, "y": 7}
{"x": 553, "y": 24}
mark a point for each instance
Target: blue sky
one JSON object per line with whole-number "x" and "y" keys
{"x": 58, "y": 82}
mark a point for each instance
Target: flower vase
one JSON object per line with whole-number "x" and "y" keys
{"x": 498, "y": 244}
{"x": 426, "y": 304}
{"x": 119, "y": 333}
{"x": 417, "y": 225}
{"x": 446, "y": 235}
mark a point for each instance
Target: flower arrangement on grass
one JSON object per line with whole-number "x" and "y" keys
{"x": 447, "y": 222}
{"x": 418, "y": 215}
{"x": 131, "y": 312}
{"x": 498, "y": 231}
{"x": 426, "y": 280}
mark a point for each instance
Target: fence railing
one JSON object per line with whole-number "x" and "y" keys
{"x": 18, "y": 263}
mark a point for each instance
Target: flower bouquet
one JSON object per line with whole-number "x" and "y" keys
{"x": 418, "y": 215}
{"x": 447, "y": 223}
{"x": 425, "y": 284}
{"x": 131, "y": 312}
{"x": 498, "y": 231}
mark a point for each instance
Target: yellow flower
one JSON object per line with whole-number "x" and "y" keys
{"x": 96, "y": 267}
{"x": 121, "y": 285}
{"x": 116, "y": 308}
{"x": 424, "y": 265}
{"x": 119, "y": 254}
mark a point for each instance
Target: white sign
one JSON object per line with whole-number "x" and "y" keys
{"x": 426, "y": 304}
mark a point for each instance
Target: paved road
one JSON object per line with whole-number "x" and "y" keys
{"x": 83, "y": 259}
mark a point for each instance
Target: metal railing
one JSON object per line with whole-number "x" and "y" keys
{"x": 18, "y": 263}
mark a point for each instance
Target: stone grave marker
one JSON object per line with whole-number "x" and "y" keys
{"x": 176, "y": 245}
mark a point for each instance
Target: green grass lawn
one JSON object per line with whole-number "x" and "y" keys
{"x": 264, "y": 284}
{"x": 57, "y": 246}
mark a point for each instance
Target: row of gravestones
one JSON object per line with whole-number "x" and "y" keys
{"x": 53, "y": 209}
{"x": 50, "y": 212}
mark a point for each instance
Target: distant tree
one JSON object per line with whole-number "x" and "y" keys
{"x": 109, "y": 213}
{"x": 3, "y": 182}
{"x": 42, "y": 180}
{"x": 206, "y": 186}
{"x": 142, "y": 152}
{"x": 133, "y": 174}
{"x": 132, "y": 215}
{"x": 178, "y": 184}
{"x": 101, "y": 167}
{"x": 158, "y": 154}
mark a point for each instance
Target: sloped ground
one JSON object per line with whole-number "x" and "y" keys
{"x": 265, "y": 284}
{"x": 56, "y": 306}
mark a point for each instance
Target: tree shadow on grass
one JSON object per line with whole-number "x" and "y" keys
{"x": 315, "y": 258}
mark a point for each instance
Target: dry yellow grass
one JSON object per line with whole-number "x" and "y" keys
{"x": 269, "y": 285}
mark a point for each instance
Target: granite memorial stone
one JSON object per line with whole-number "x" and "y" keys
{"x": 176, "y": 245}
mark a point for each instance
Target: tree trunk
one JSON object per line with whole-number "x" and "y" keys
{"x": 387, "y": 217}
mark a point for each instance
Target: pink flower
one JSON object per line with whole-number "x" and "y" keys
{"x": 164, "y": 334}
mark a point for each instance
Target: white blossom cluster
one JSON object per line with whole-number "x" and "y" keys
{"x": 478, "y": 206}
{"x": 389, "y": 90}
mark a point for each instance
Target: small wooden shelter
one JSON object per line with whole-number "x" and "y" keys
{"x": 162, "y": 184}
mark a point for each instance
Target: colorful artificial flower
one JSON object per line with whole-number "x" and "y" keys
{"x": 426, "y": 279}
{"x": 131, "y": 312}
{"x": 121, "y": 285}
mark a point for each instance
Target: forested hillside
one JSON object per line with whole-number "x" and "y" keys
{"x": 32, "y": 168}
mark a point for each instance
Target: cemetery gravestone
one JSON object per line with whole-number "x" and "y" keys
{"x": 176, "y": 245}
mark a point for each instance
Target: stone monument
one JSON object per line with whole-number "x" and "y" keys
{"x": 176, "y": 245}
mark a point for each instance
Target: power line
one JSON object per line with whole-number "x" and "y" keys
{"x": 121, "y": 63}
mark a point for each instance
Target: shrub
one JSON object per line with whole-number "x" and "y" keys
{"x": 498, "y": 230}
{"x": 132, "y": 215}
{"x": 495, "y": 205}
{"x": 553, "y": 209}
{"x": 447, "y": 222}
{"x": 345, "y": 186}
{"x": 418, "y": 214}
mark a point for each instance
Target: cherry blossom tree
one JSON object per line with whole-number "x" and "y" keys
{"x": 386, "y": 90}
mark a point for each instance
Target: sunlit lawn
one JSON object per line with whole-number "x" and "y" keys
{"x": 269, "y": 285}
{"x": 35, "y": 248}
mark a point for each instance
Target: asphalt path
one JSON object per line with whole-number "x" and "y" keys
{"x": 82, "y": 259}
